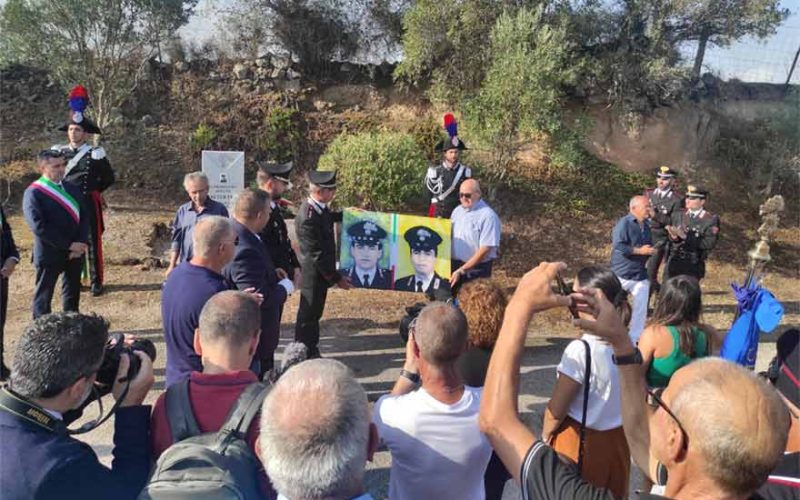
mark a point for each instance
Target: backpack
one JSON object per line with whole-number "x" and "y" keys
{"x": 218, "y": 465}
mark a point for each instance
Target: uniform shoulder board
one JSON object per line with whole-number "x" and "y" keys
{"x": 436, "y": 283}
{"x": 58, "y": 147}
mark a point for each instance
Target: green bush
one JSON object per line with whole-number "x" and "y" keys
{"x": 203, "y": 136}
{"x": 281, "y": 135}
{"x": 377, "y": 170}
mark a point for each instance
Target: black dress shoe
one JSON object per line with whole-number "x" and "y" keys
{"x": 97, "y": 290}
{"x": 5, "y": 372}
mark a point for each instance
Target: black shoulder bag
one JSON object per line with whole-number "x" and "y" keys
{"x": 582, "y": 434}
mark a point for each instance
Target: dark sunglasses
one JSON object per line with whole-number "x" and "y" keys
{"x": 654, "y": 401}
{"x": 467, "y": 196}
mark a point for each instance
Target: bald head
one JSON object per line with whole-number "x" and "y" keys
{"x": 441, "y": 333}
{"x": 471, "y": 186}
{"x": 209, "y": 233}
{"x": 737, "y": 422}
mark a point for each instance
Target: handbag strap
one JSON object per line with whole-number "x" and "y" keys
{"x": 588, "y": 373}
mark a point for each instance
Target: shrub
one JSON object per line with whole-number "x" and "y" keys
{"x": 377, "y": 170}
{"x": 282, "y": 133}
{"x": 203, "y": 136}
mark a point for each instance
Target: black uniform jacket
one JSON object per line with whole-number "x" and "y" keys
{"x": 276, "y": 239}
{"x": 314, "y": 226}
{"x": 407, "y": 284}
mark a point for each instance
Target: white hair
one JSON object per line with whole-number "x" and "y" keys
{"x": 195, "y": 176}
{"x": 314, "y": 432}
{"x": 209, "y": 232}
{"x": 634, "y": 201}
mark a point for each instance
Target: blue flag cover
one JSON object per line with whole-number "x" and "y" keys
{"x": 758, "y": 311}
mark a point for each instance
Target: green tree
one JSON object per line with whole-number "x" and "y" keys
{"x": 523, "y": 90}
{"x": 720, "y": 22}
{"x": 103, "y": 44}
{"x": 445, "y": 45}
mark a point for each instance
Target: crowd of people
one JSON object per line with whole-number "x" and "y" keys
{"x": 631, "y": 391}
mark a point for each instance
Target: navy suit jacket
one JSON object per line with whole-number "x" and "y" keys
{"x": 252, "y": 267}
{"x": 54, "y": 230}
{"x": 40, "y": 464}
{"x": 7, "y": 246}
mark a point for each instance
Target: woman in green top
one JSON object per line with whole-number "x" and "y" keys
{"x": 674, "y": 336}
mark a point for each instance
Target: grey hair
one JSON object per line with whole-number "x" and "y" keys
{"x": 441, "y": 332}
{"x": 635, "y": 200}
{"x": 208, "y": 234}
{"x": 195, "y": 176}
{"x": 718, "y": 408}
{"x": 314, "y": 432}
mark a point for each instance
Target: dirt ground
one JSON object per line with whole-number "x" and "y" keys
{"x": 360, "y": 327}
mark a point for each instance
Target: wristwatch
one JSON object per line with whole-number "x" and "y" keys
{"x": 634, "y": 358}
{"x": 413, "y": 377}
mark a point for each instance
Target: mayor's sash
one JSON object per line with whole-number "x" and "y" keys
{"x": 60, "y": 195}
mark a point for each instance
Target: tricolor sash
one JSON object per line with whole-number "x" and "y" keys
{"x": 60, "y": 195}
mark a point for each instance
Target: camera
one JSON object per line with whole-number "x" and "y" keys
{"x": 115, "y": 348}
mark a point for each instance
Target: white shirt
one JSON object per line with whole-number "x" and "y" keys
{"x": 370, "y": 274}
{"x": 438, "y": 451}
{"x": 426, "y": 281}
{"x": 604, "y": 411}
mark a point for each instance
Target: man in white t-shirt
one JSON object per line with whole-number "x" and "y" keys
{"x": 438, "y": 450}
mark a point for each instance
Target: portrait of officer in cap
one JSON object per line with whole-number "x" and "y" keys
{"x": 424, "y": 244}
{"x": 366, "y": 247}
{"x": 694, "y": 232}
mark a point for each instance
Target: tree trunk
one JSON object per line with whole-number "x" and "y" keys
{"x": 701, "y": 53}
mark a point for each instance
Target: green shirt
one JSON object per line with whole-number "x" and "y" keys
{"x": 661, "y": 369}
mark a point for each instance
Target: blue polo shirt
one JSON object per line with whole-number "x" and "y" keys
{"x": 184, "y": 222}
{"x": 475, "y": 228}
{"x": 627, "y": 235}
{"x": 183, "y": 296}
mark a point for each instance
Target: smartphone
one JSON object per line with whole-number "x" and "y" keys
{"x": 565, "y": 290}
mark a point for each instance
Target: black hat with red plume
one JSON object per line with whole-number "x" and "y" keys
{"x": 78, "y": 101}
{"x": 452, "y": 142}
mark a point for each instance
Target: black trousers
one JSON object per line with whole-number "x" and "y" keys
{"x": 46, "y": 277}
{"x": 313, "y": 294}
{"x": 654, "y": 263}
{"x": 3, "y": 310}
{"x": 95, "y": 252}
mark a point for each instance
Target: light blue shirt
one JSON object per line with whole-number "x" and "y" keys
{"x": 475, "y": 228}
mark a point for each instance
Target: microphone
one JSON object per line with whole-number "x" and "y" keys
{"x": 294, "y": 353}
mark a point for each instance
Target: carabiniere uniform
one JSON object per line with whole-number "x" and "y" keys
{"x": 275, "y": 235}
{"x": 317, "y": 239}
{"x": 702, "y": 233}
{"x": 89, "y": 169}
{"x": 442, "y": 183}
{"x": 665, "y": 204}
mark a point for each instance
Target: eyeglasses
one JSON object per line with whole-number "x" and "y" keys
{"x": 654, "y": 401}
{"x": 466, "y": 196}
{"x": 234, "y": 242}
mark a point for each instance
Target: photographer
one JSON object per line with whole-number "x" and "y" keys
{"x": 54, "y": 370}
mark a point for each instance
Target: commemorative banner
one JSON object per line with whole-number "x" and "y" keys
{"x": 395, "y": 251}
{"x": 225, "y": 171}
